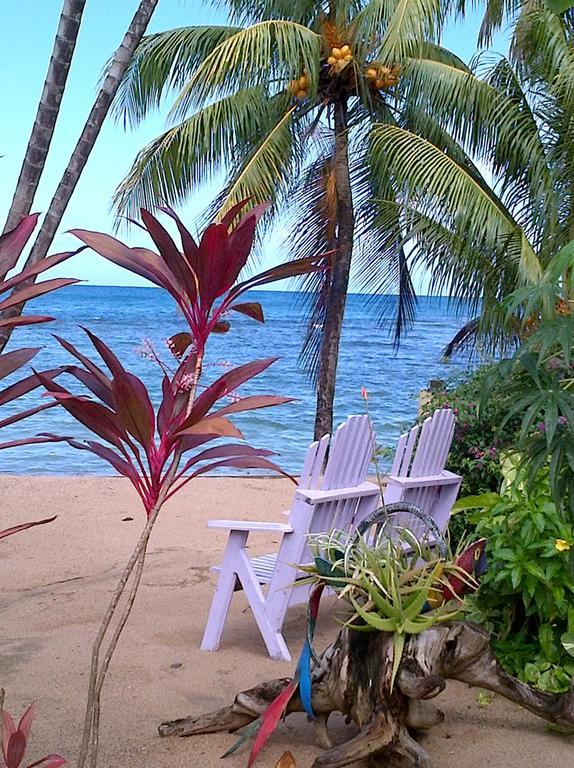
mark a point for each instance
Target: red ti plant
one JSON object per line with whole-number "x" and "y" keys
{"x": 161, "y": 451}
{"x": 15, "y": 740}
{"x": 11, "y": 246}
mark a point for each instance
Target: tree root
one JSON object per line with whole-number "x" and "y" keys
{"x": 354, "y": 678}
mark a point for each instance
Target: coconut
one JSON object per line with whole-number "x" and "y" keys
{"x": 301, "y": 94}
{"x": 371, "y": 74}
{"x": 332, "y": 61}
{"x": 345, "y": 49}
{"x": 336, "y": 53}
{"x": 348, "y": 57}
{"x": 303, "y": 82}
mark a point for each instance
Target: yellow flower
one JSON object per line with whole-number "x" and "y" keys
{"x": 560, "y": 545}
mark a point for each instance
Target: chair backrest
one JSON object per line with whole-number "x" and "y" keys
{"x": 423, "y": 450}
{"x": 350, "y": 454}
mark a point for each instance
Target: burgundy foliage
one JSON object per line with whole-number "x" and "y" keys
{"x": 170, "y": 446}
{"x": 15, "y": 740}
{"x": 11, "y": 246}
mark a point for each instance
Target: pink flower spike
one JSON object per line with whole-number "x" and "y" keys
{"x": 8, "y": 728}
{"x": 365, "y": 394}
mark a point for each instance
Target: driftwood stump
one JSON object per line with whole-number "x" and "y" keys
{"x": 354, "y": 679}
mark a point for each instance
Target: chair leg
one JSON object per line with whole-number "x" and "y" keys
{"x": 223, "y": 591}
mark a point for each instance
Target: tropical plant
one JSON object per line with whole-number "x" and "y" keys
{"x": 393, "y": 582}
{"x": 15, "y": 740}
{"x": 480, "y": 437}
{"x": 291, "y": 91}
{"x": 81, "y": 151}
{"x": 525, "y": 598}
{"x": 11, "y": 245}
{"x": 160, "y": 450}
{"x": 483, "y": 169}
{"x": 536, "y": 382}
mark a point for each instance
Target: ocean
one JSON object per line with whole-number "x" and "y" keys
{"x": 131, "y": 319}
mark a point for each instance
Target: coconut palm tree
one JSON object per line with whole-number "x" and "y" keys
{"x": 47, "y": 113}
{"x": 283, "y": 100}
{"x": 514, "y": 119}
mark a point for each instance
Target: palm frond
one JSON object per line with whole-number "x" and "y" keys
{"x": 411, "y": 24}
{"x": 270, "y": 53}
{"x": 198, "y": 149}
{"x": 162, "y": 63}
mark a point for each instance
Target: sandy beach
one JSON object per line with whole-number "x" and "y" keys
{"x": 56, "y": 581}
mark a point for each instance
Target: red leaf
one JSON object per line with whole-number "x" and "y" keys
{"x": 222, "y": 326}
{"x": 281, "y": 272}
{"x": 169, "y": 252}
{"x": 89, "y": 364}
{"x": 13, "y": 361}
{"x": 24, "y": 526}
{"x": 134, "y": 408}
{"x": 165, "y": 410}
{"x": 253, "y": 402}
{"x": 12, "y": 243}
{"x": 16, "y": 417}
{"x": 26, "y": 720}
{"x": 41, "y": 266}
{"x": 12, "y": 322}
{"x": 233, "y": 212}
{"x": 16, "y": 749}
{"x": 8, "y": 728}
{"x": 271, "y": 718}
{"x": 97, "y": 418}
{"x": 22, "y": 387}
{"x": 38, "y": 289}
{"x": 30, "y": 441}
{"x": 49, "y": 761}
{"x": 140, "y": 261}
{"x": 239, "y": 246}
{"x": 213, "y": 262}
{"x": 190, "y": 247}
{"x": 212, "y": 425}
{"x": 93, "y": 383}
{"x": 230, "y": 450}
{"x": 252, "y": 309}
{"x": 121, "y": 465}
{"x": 243, "y": 462}
{"x": 224, "y": 385}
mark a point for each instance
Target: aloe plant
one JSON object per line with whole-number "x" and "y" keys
{"x": 393, "y": 583}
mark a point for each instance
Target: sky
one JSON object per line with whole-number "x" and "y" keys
{"x": 28, "y": 28}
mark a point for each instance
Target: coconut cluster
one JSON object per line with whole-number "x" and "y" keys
{"x": 339, "y": 58}
{"x": 300, "y": 87}
{"x": 381, "y": 76}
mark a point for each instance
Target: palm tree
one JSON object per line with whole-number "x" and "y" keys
{"x": 514, "y": 118}
{"x": 84, "y": 146}
{"x": 47, "y": 113}
{"x": 283, "y": 99}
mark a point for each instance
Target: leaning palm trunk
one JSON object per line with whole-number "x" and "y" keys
{"x": 339, "y": 278}
{"x": 86, "y": 142}
{"x": 47, "y": 114}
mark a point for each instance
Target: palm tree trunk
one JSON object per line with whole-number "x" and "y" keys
{"x": 47, "y": 113}
{"x": 86, "y": 142}
{"x": 339, "y": 278}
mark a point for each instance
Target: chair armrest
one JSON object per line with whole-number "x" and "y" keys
{"x": 357, "y": 491}
{"x": 444, "y": 478}
{"x": 249, "y": 525}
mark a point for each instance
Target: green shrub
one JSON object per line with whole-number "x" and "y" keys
{"x": 478, "y": 439}
{"x": 526, "y": 598}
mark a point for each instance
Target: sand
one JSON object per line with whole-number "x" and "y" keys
{"x": 56, "y": 580}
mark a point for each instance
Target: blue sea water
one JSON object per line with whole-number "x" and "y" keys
{"x": 126, "y": 318}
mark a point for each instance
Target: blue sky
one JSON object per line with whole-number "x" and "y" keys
{"x": 28, "y": 28}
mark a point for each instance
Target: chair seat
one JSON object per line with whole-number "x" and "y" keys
{"x": 263, "y": 567}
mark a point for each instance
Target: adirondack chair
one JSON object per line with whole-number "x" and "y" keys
{"x": 339, "y": 498}
{"x": 418, "y": 475}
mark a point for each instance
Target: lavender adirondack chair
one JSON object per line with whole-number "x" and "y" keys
{"x": 418, "y": 475}
{"x": 339, "y": 498}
